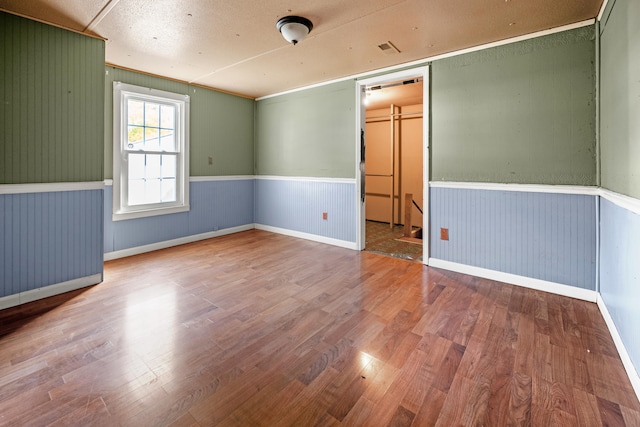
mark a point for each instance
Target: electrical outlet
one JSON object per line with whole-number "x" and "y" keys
{"x": 210, "y": 160}
{"x": 325, "y": 216}
{"x": 444, "y": 234}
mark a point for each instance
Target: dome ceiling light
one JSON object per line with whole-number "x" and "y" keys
{"x": 294, "y": 28}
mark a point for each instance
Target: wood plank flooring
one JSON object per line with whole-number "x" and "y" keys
{"x": 259, "y": 329}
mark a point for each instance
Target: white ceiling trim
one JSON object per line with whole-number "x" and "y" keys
{"x": 442, "y": 56}
{"x": 101, "y": 15}
{"x": 602, "y": 8}
{"x": 237, "y": 63}
{"x": 42, "y": 21}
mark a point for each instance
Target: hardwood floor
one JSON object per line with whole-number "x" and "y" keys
{"x": 259, "y": 329}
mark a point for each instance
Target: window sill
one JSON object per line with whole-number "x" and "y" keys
{"x": 122, "y": 216}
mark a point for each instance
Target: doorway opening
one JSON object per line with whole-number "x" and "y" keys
{"x": 393, "y": 164}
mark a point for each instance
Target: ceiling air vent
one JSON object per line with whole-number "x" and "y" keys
{"x": 388, "y": 48}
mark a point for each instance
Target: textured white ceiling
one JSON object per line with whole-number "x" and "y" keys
{"x": 234, "y": 45}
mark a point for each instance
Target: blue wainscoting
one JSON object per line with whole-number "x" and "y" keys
{"x": 49, "y": 238}
{"x": 215, "y": 205}
{"x": 545, "y": 236}
{"x": 297, "y": 205}
{"x": 620, "y": 273}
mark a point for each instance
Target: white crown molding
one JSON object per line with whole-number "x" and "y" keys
{"x": 50, "y": 187}
{"x": 62, "y": 27}
{"x": 426, "y": 60}
{"x": 602, "y": 8}
{"x": 306, "y": 179}
{"x": 525, "y": 188}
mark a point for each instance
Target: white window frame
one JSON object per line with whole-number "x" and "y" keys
{"x": 122, "y": 92}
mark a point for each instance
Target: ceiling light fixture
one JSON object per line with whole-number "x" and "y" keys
{"x": 294, "y": 28}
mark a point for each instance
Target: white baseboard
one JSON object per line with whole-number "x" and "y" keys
{"x": 308, "y": 236}
{"x": 622, "y": 350}
{"x": 527, "y": 282}
{"x": 175, "y": 242}
{"x": 9, "y": 301}
{"x": 49, "y": 291}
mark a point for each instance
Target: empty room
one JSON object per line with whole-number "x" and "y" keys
{"x": 188, "y": 192}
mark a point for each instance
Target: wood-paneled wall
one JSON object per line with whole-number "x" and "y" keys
{"x": 49, "y": 238}
{"x": 215, "y": 205}
{"x": 620, "y": 272}
{"x": 298, "y": 205}
{"x": 544, "y": 236}
{"x": 51, "y": 114}
{"x": 51, "y": 131}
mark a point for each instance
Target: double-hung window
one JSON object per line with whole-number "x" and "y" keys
{"x": 150, "y": 152}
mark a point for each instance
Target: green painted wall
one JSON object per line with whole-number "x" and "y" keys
{"x": 221, "y": 125}
{"x": 519, "y": 113}
{"x": 620, "y": 98}
{"x": 51, "y": 103}
{"x": 308, "y": 133}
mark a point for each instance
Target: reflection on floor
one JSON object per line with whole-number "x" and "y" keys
{"x": 382, "y": 240}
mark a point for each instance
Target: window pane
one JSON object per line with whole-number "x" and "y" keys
{"x": 167, "y": 140}
{"x": 152, "y": 142}
{"x": 168, "y": 190}
{"x": 135, "y": 112}
{"x": 152, "y": 114}
{"x": 167, "y": 116}
{"x": 152, "y": 178}
{"x": 169, "y": 166}
{"x": 135, "y": 140}
{"x": 152, "y": 170}
{"x": 136, "y": 192}
{"x": 152, "y": 191}
{"x": 136, "y": 166}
